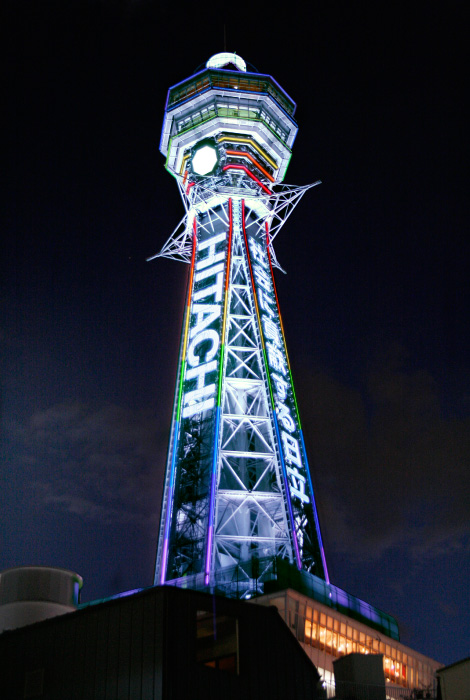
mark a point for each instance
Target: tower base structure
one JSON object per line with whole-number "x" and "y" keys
{"x": 269, "y": 576}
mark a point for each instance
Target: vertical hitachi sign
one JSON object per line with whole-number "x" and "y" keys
{"x": 278, "y": 369}
{"x": 203, "y": 343}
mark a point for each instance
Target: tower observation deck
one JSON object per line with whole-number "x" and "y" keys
{"x": 238, "y": 495}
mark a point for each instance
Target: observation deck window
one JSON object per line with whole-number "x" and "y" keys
{"x": 227, "y": 110}
{"x": 225, "y": 80}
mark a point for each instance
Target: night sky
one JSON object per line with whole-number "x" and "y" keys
{"x": 375, "y": 302}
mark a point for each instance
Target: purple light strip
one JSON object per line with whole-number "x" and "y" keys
{"x": 169, "y": 507}
{"x": 210, "y": 531}
{"x": 315, "y": 514}
{"x": 289, "y": 502}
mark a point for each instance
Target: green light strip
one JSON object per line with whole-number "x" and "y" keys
{"x": 180, "y": 392}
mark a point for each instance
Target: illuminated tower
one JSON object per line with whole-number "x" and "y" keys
{"x": 238, "y": 494}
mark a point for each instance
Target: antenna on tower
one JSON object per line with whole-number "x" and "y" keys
{"x": 225, "y": 39}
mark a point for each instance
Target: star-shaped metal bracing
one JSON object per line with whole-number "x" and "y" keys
{"x": 197, "y": 197}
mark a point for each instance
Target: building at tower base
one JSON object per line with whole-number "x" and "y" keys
{"x": 326, "y": 634}
{"x": 164, "y": 642}
{"x": 155, "y": 644}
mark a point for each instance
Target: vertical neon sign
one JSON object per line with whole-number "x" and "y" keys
{"x": 300, "y": 499}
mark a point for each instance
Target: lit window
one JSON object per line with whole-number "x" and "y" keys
{"x": 308, "y": 630}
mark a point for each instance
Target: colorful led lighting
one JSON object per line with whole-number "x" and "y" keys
{"x": 244, "y": 154}
{"x": 252, "y": 142}
{"x": 233, "y": 166}
{"x": 184, "y": 161}
{"x": 171, "y": 486}
{"x": 315, "y": 512}
{"x": 233, "y": 357}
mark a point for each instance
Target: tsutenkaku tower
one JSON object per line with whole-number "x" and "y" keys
{"x": 238, "y": 493}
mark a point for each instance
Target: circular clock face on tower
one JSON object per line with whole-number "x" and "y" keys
{"x": 204, "y": 160}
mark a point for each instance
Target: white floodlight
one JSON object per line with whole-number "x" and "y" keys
{"x": 204, "y": 160}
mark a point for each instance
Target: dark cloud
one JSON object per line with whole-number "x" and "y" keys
{"x": 102, "y": 464}
{"x": 390, "y": 468}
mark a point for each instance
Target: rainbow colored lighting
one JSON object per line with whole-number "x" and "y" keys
{"x": 234, "y": 166}
{"x": 251, "y": 142}
{"x": 244, "y": 154}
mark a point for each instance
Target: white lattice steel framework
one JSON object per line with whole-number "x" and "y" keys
{"x": 238, "y": 493}
{"x": 275, "y": 208}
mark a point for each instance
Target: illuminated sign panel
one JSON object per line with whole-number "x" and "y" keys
{"x": 200, "y": 386}
{"x": 304, "y": 521}
{"x": 281, "y": 384}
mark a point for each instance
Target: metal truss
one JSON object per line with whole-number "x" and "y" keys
{"x": 231, "y": 481}
{"x": 251, "y": 518}
{"x": 273, "y": 209}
